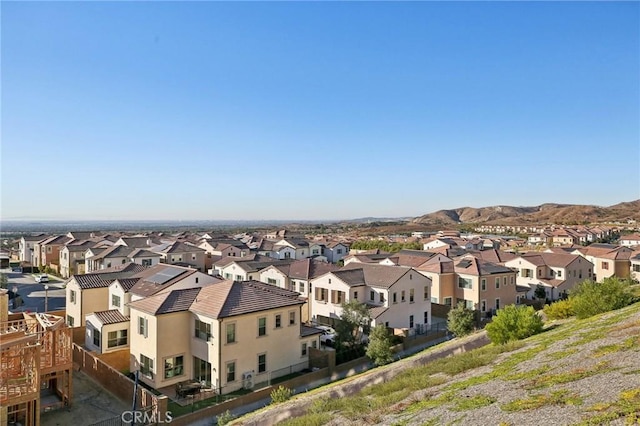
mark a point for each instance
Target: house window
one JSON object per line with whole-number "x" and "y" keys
{"x": 117, "y": 338}
{"x": 410, "y": 321}
{"x": 201, "y": 370}
{"x": 339, "y": 251}
{"x": 70, "y": 320}
{"x": 278, "y": 320}
{"x": 143, "y": 326}
{"x": 411, "y": 295}
{"x": 115, "y": 300}
{"x": 321, "y": 294}
{"x": 72, "y": 296}
{"x": 337, "y": 297}
{"x": 395, "y": 297}
{"x": 231, "y": 333}
{"x": 497, "y": 304}
{"x": 559, "y": 273}
{"x": 636, "y": 268}
{"x": 314, "y": 344}
{"x": 426, "y": 292}
{"x": 468, "y": 304}
{"x": 146, "y": 262}
{"x": 381, "y": 297}
{"x": 465, "y": 283}
{"x": 239, "y": 278}
{"x": 227, "y": 276}
{"x": 272, "y": 281}
{"x": 483, "y": 306}
{"x": 193, "y": 257}
{"x": 329, "y": 280}
{"x": 434, "y": 300}
{"x": 301, "y": 283}
{"x": 203, "y": 330}
{"x": 292, "y": 318}
{"x": 262, "y": 363}
{"x": 605, "y": 265}
{"x": 231, "y": 371}
{"x": 426, "y": 317}
{"x": 504, "y": 280}
{"x": 497, "y": 282}
{"x": 303, "y": 352}
{"x": 96, "y": 338}
{"x": 402, "y": 296}
{"x": 355, "y": 295}
{"x": 146, "y": 366}
{"x": 173, "y": 367}
{"x": 262, "y": 326}
{"x": 447, "y": 301}
{"x": 511, "y": 279}
{"x": 483, "y": 284}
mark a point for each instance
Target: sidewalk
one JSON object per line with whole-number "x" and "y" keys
{"x": 309, "y": 386}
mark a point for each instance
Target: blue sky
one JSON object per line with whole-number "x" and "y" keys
{"x": 308, "y": 110}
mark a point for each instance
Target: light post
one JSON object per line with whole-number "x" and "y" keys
{"x": 46, "y": 297}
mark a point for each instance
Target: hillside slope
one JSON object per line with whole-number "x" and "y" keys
{"x": 544, "y": 213}
{"x": 578, "y": 372}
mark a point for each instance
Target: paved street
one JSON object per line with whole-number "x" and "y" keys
{"x": 33, "y": 294}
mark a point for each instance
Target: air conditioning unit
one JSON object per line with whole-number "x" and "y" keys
{"x": 247, "y": 379}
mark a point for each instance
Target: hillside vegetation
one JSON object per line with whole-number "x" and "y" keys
{"x": 577, "y": 372}
{"x": 544, "y": 213}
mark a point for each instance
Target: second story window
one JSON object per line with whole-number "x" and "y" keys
{"x": 262, "y": 326}
{"x": 203, "y": 330}
{"x": 483, "y": 284}
{"x": 372, "y": 295}
{"x": 72, "y": 296}
{"x": 231, "y": 333}
{"x": 402, "y": 296}
{"x": 115, "y": 300}
{"x": 497, "y": 282}
{"x": 465, "y": 283}
{"x": 292, "y": 318}
{"x": 143, "y": 326}
{"x": 411, "y": 297}
{"x": 278, "y": 321}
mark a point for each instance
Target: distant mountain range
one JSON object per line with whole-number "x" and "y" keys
{"x": 543, "y": 214}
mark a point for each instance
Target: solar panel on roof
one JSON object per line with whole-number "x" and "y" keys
{"x": 165, "y": 275}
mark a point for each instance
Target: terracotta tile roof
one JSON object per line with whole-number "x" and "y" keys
{"x": 494, "y": 255}
{"x": 55, "y": 240}
{"x": 376, "y": 311}
{"x": 80, "y": 246}
{"x": 352, "y": 277}
{"x": 127, "y": 283}
{"x": 439, "y": 264}
{"x": 136, "y": 242}
{"x": 258, "y": 266}
{"x": 179, "y": 247}
{"x": 229, "y": 298}
{"x": 104, "y": 277}
{"x": 228, "y": 260}
{"x": 113, "y": 251}
{"x": 167, "y": 302}
{"x": 551, "y": 259}
{"x": 378, "y": 275}
{"x": 112, "y": 316}
{"x": 140, "y": 252}
{"x": 307, "y": 269}
{"x": 471, "y": 265}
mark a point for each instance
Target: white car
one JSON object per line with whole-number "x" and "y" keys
{"x": 328, "y": 336}
{"x": 42, "y": 278}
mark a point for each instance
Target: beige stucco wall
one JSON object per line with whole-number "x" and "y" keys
{"x": 87, "y": 301}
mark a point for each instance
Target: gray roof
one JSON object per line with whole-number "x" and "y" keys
{"x": 112, "y": 316}
{"x": 379, "y": 275}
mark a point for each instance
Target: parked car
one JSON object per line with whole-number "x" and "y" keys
{"x": 42, "y": 278}
{"x": 328, "y": 336}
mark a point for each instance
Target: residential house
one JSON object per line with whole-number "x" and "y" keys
{"x": 224, "y": 247}
{"x": 297, "y": 276}
{"x": 438, "y": 242}
{"x": 49, "y": 251}
{"x": 228, "y": 336}
{"x": 557, "y": 273}
{"x": 629, "y": 240}
{"x": 482, "y": 285}
{"x": 137, "y": 242}
{"x": 88, "y": 293}
{"x": 183, "y": 254}
{"x": 26, "y": 247}
{"x": 119, "y": 255}
{"x": 72, "y": 259}
{"x": 335, "y": 251}
{"x": 608, "y": 260}
{"x": 247, "y": 270}
{"x": 108, "y": 329}
{"x": 399, "y": 296}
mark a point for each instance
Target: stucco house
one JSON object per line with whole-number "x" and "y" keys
{"x": 182, "y": 254}
{"x": 608, "y": 260}
{"x": 557, "y": 273}
{"x": 49, "y": 251}
{"x": 26, "y": 247}
{"x": 229, "y": 336}
{"x": 399, "y": 297}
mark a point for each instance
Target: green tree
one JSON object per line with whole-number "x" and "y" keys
{"x": 379, "y": 349}
{"x": 461, "y": 320}
{"x": 354, "y": 321}
{"x": 540, "y": 292}
{"x": 559, "y": 310}
{"x": 590, "y": 298}
{"x": 514, "y": 323}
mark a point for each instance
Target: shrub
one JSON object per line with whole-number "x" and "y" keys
{"x": 590, "y": 298}
{"x": 379, "y": 349}
{"x": 559, "y": 310}
{"x": 281, "y": 394}
{"x": 225, "y": 418}
{"x": 461, "y": 320}
{"x": 514, "y": 323}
